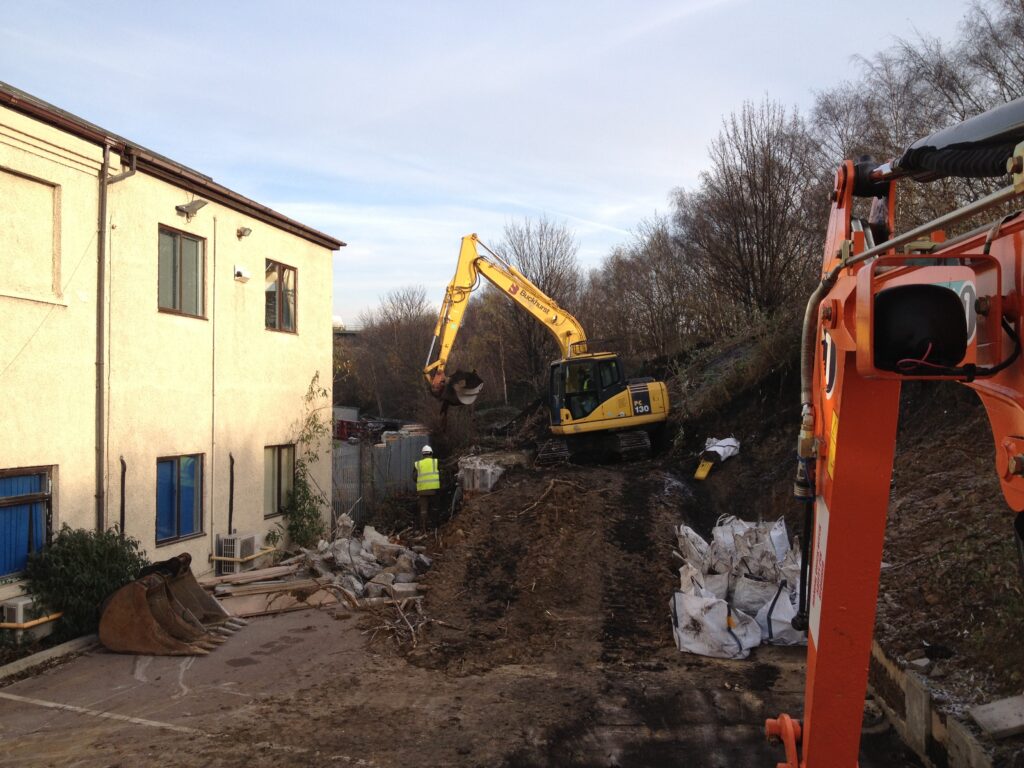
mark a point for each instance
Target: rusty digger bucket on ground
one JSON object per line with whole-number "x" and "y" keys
{"x": 165, "y": 612}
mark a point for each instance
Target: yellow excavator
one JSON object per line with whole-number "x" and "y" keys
{"x": 592, "y": 405}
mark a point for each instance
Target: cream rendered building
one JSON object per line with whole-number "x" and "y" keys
{"x": 135, "y": 350}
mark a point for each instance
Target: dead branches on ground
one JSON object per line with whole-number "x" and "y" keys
{"x": 551, "y": 487}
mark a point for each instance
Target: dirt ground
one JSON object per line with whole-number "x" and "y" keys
{"x": 951, "y": 586}
{"x": 552, "y": 647}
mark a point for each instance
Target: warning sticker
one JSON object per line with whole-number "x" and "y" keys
{"x": 817, "y": 573}
{"x": 832, "y": 433}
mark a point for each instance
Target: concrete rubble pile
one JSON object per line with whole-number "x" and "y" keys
{"x": 371, "y": 567}
{"x": 736, "y": 591}
{"x": 358, "y": 572}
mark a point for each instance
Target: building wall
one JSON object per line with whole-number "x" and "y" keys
{"x": 221, "y": 386}
{"x": 48, "y": 309}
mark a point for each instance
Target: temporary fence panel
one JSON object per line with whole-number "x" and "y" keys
{"x": 366, "y": 473}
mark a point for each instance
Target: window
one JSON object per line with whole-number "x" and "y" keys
{"x": 179, "y": 497}
{"x": 608, "y": 372}
{"x": 280, "y": 296}
{"x": 25, "y": 515}
{"x": 182, "y": 273}
{"x": 278, "y": 477}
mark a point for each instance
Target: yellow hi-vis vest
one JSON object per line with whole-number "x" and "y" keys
{"x": 428, "y": 478}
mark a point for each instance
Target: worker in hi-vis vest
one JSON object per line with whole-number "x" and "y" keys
{"x": 428, "y": 483}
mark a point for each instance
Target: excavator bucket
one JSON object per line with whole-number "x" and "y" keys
{"x": 461, "y": 388}
{"x": 147, "y": 616}
{"x": 177, "y": 573}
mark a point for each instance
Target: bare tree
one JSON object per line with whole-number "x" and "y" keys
{"x": 546, "y": 252}
{"x": 639, "y": 297}
{"x": 386, "y": 357}
{"x": 752, "y": 230}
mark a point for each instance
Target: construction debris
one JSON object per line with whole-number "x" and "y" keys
{"x": 480, "y": 473}
{"x": 715, "y": 452}
{"x": 737, "y": 591}
{"x": 361, "y": 572}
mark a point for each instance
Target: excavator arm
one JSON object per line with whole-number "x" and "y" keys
{"x": 917, "y": 305}
{"x": 460, "y": 387}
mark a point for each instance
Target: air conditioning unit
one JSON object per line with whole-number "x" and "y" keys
{"x": 19, "y": 610}
{"x": 237, "y": 545}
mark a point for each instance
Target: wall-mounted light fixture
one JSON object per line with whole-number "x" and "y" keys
{"x": 243, "y": 232}
{"x": 188, "y": 210}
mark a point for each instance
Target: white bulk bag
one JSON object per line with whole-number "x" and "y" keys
{"x": 750, "y": 595}
{"x": 776, "y": 619}
{"x": 705, "y": 625}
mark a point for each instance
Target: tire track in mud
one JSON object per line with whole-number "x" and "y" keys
{"x": 632, "y": 604}
{"x": 651, "y": 707}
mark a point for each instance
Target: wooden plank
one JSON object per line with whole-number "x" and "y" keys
{"x": 249, "y": 576}
{"x": 285, "y": 585}
{"x": 248, "y": 606}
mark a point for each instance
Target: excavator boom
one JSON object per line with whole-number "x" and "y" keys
{"x": 461, "y": 387}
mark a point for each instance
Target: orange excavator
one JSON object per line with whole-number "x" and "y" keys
{"x": 891, "y": 308}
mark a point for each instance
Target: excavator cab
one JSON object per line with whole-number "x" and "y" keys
{"x": 580, "y": 385}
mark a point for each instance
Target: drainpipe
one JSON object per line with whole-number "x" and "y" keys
{"x": 105, "y": 181}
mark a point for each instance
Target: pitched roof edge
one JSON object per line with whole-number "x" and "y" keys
{"x": 159, "y": 166}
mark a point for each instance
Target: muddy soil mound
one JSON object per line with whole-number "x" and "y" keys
{"x": 547, "y": 565}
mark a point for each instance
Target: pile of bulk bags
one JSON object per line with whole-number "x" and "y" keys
{"x": 736, "y": 591}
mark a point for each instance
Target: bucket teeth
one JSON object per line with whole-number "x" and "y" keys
{"x": 165, "y": 613}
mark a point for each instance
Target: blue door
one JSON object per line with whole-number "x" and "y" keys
{"x": 24, "y": 501}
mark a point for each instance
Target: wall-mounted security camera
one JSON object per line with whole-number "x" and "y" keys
{"x": 188, "y": 210}
{"x": 242, "y": 274}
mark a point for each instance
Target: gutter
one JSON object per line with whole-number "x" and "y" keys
{"x": 159, "y": 166}
{"x": 105, "y": 180}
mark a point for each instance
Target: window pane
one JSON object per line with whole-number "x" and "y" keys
{"x": 166, "y": 500}
{"x": 191, "y": 276}
{"x": 288, "y": 300}
{"x": 269, "y": 482}
{"x": 271, "y": 294}
{"x": 167, "y": 286}
{"x": 191, "y": 495}
{"x": 287, "y": 472}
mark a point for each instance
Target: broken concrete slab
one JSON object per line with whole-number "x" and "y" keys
{"x": 399, "y": 591}
{"x": 371, "y": 536}
{"x": 1000, "y": 719}
{"x": 480, "y": 473}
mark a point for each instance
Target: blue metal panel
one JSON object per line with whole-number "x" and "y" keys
{"x": 14, "y": 522}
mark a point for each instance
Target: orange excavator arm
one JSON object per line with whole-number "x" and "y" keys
{"x": 915, "y": 306}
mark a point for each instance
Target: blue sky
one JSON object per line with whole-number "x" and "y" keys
{"x": 401, "y": 126}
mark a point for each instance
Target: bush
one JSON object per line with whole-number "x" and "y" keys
{"x": 77, "y": 572}
{"x": 303, "y": 517}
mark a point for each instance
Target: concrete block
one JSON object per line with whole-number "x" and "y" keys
{"x": 404, "y": 590}
{"x": 1002, "y": 718}
{"x": 919, "y": 712}
{"x": 962, "y": 749}
{"x": 387, "y": 579}
{"x": 480, "y": 473}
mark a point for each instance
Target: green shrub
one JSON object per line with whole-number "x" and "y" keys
{"x": 78, "y": 571}
{"x": 303, "y": 516}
